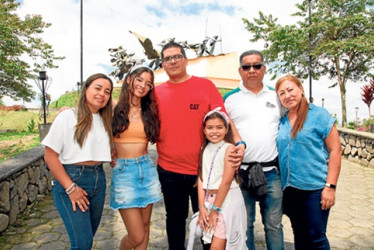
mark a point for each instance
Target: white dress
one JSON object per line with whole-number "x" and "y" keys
{"x": 233, "y": 208}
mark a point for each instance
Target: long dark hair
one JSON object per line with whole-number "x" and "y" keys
{"x": 228, "y": 137}
{"x": 120, "y": 121}
{"x": 84, "y": 115}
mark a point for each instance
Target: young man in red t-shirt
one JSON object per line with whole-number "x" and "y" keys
{"x": 183, "y": 102}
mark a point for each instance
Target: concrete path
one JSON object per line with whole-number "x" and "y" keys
{"x": 351, "y": 222}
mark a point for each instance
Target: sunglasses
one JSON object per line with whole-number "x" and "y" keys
{"x": 248, "y": 67}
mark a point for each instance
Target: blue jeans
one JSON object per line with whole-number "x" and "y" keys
{"x": 177, "y": 190}
{"x": 81, "y": 226}
{"x": 308, "y": 220}
{"x": 271, "y": 212}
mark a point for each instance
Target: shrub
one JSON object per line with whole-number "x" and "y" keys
{"x": 31, "y": 126}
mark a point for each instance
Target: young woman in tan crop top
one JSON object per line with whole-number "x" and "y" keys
{"x": 135, "y": 185}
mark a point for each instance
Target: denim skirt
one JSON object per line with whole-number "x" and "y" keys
{"x": 134, "y": 184}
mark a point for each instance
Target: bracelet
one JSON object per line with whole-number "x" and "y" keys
{"x": 71, "y": 188}
{"x": 241, "y": 142}
{"x": 201, "y": 206}
{"x": 217, "y": 209}
{"x": 67, "y": 189}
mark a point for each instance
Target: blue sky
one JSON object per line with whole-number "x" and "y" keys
{"x": 190, "y": 8}
{"x": 107, "y": 24}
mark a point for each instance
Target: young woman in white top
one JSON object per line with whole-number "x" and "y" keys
{"x": 77, "y": 144}
{"x": 221, "y": 205}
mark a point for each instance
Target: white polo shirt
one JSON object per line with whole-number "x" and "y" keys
{"x": 257, "y": 118}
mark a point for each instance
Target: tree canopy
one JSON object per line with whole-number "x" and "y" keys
{"x": 20, "y": 45}
{"x": 339, "y": 41}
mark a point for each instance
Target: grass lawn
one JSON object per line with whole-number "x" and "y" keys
{"x": 22, "y": 120}
{"x": 14, "y": 143}
{"x": 24, "y": 133}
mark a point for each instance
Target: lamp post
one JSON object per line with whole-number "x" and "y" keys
{"x": 43, "y": 82}
{"x": 81, "y": 40}
{"x": 309, "y": 50}
{"x": 356, "y": 117}
{"x": 43, "y": 77}
{"x": 78, "y": 86}
{"x": 323, "y": 102}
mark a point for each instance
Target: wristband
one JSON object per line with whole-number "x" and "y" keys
{"x": 217, "y": 209}
{"x": 241, "y": 142}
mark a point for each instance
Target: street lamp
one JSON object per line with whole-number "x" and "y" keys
{"x": 356, "y": 116}
{"x": 78, "y": 86}
{"x": 43, "y": 82}
{"x": 323, "y": 102}
{"x": 81, "y": 40}
{"x": 309, "y": 51}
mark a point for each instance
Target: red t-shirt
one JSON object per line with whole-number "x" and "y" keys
{"x": 182, "y": 107}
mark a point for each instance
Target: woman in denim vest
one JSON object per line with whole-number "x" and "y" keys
{"x": 310, "y": 159}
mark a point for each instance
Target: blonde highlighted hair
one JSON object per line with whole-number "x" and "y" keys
{"x": 302, "y": 109}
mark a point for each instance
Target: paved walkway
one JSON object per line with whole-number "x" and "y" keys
{"x": 351, "y": 223}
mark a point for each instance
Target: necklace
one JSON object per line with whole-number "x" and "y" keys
{"x": 134, "y": 114}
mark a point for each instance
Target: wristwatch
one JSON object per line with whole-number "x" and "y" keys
{"x": 330, "y": 185}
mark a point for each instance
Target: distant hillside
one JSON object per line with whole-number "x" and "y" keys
{"x": 70, "y": 99}
{"x": 66, "y": 100}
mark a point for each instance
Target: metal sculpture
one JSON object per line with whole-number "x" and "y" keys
{"x": 123, "y": 61}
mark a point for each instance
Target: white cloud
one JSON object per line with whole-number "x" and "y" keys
{"x": 106, "y": 25}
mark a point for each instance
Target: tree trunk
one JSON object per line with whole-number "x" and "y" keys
{"x": 341, "y": 82}
{"x": 342, "y": 98}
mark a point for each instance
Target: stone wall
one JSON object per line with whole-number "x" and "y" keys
{"x": 357, "y": 146}
{"x": 24, "y": 179}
